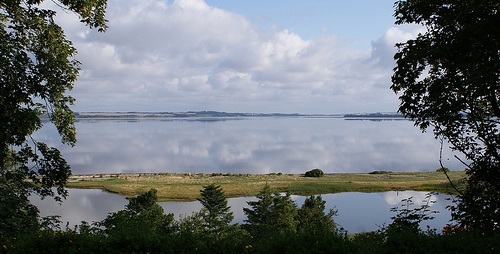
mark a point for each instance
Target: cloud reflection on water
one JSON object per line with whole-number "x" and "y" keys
{"x": 251, "y": 145}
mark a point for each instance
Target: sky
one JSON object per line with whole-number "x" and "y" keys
{"x": 255, "y": 56}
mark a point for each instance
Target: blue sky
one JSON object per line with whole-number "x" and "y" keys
{"x": 359, "y": 21}
{"x": 285, "y": 56}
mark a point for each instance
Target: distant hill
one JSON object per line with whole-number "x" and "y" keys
{"x": 189, "y": 114}
{"x": 208, "y": 114}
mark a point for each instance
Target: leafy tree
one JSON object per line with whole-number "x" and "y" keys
{"x": 311, "y": 215}
{"x": 448, "y": 79}
{"x": 37, "y": 67}
{"x": 215, "y": 213}
{"x": 314, "y": 173}
{"x": 17, "y": 213}
{"x": 272, "y": 212}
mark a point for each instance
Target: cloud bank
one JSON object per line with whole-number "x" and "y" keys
{"x": 187, "y": 55}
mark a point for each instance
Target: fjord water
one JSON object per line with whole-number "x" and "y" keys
{"x": 249, "y": 145}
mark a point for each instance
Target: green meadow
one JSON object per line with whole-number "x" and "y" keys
{"x": 186, "y": 187}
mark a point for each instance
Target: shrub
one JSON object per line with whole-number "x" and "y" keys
{"x": 314, "y": 173}
{"x": 379, "y": 172}
{"x": 443, "y": 169}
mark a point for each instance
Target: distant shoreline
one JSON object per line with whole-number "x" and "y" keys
{"x": 216, "y": 114}
{"x": 191, "y": 114}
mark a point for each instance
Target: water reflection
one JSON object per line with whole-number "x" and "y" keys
{"x": 357, "y": 212}
{"x": 250, "y": 145}
{"x": 81, "y": 205}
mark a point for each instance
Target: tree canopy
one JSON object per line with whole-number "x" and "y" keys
{"x": 216, "y": 212}
{"x": 271, "y": 212}
{"x": 448, "y": 79}
{"x": 311, "y": 215}
{"x": 314, "y": 173}
{"x": 141, "y": 213}
{"x": 37, "y": 68}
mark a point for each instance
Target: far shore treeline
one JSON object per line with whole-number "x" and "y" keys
{"x": 216, "y": 114}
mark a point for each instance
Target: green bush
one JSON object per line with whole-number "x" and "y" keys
{"x": 443, "y": 169}
{"x": 379, "y": 172}
{"x": 314, "y": 173}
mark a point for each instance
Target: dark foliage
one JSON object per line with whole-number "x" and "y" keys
{"x": 311, "y": 216}
{"x": 142, "y": 215}
{"x": 37, "y": 67}
{"x": 314, "y": 173}
{"x": 448, "y": 79}
{"x": 215, "y": 213}
{"x": 140, "y": 228}
{"x": 272, "y": 212}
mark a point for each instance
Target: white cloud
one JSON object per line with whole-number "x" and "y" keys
{"x": 384, "y": 48}
{"x": 188, "y": 55}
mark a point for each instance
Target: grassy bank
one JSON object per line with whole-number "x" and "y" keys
{"x": 187, "y": 186}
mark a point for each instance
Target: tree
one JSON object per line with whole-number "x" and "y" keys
{"x": 284, "y": 213}
{"x": 271, "y": 213}
{"x": 311, "y": 215}
{"x": 37, "y": 67}
{"x": 141, "y": 225}
{"x": 17, "y": 213}
{"x": 215, "y": 213}
{"x": 141, "y": 214}
{"x": 448, "y": 79}
{"x": 259, "y": 213}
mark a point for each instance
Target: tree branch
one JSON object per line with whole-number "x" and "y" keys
{"x": 442, "y": 167}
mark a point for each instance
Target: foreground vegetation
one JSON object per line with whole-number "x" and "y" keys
{"x": 275, "y": 224}
{"x": 187, "y": 186}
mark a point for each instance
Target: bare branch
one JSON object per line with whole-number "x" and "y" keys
{"x": 441, "y": 141}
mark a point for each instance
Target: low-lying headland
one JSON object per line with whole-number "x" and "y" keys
{"x": 187, "y": 186}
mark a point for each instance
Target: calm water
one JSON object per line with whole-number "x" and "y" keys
{"x": 357, "y": 212}
{"x": 249, "y": 145}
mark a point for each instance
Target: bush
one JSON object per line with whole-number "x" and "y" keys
{"x": 443, "y": 169}
{"x": 380, "y": 172}
{"x": 314, "y": 173}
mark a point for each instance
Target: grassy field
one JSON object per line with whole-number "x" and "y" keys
{"x": 187, "y": 186}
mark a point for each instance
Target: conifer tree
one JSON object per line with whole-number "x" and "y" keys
{"x": 215, "y": 213}
{"x": 271, "y": 213}
{"x": 311, "y": 215}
